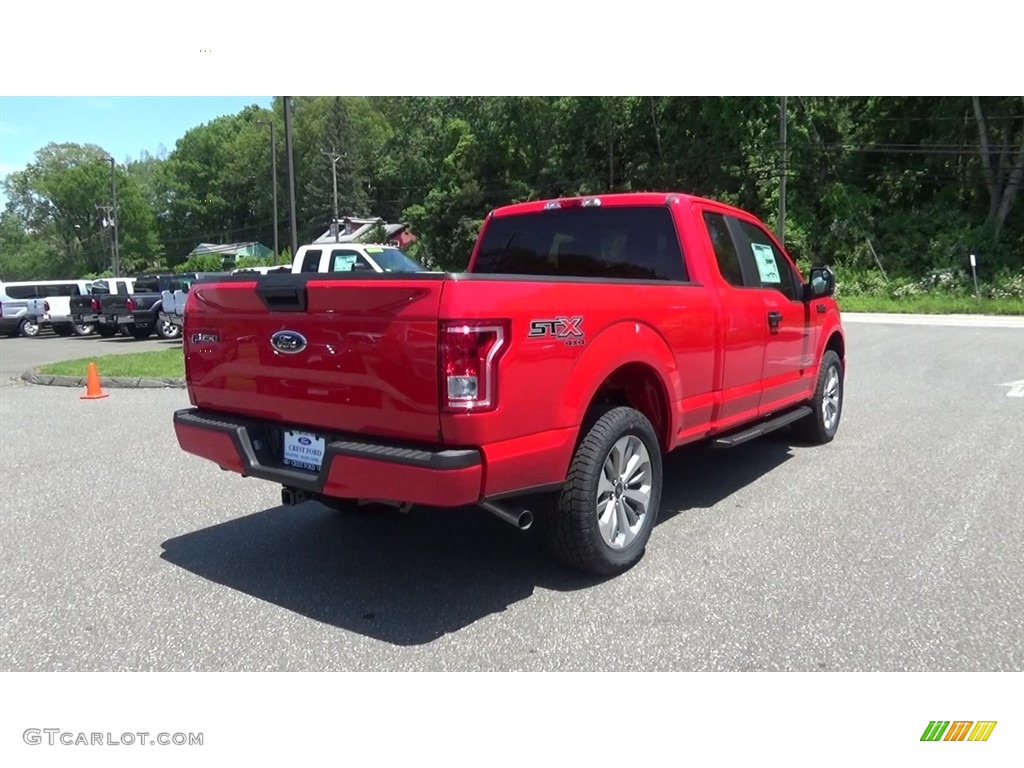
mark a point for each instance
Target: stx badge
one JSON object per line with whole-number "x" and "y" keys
{"x": 565, "y": 329}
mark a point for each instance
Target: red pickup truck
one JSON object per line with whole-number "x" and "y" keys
{"x": 588, "y": 337}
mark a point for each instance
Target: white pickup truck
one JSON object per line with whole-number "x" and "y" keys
{"x": 352, "y": 257}
{"x": 50, "y": 305}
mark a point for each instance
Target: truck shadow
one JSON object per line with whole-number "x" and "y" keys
{"x": 410, "y": 579}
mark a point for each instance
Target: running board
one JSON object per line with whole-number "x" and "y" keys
{"x": 738, "y": 438}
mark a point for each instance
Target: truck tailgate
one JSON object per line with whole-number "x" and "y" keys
{"x": 349, "y": 355}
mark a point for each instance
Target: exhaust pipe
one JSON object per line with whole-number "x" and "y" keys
{"x": 521, "y": 519}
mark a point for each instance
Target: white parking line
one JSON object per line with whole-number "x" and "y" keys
{"x": 1016, "y": 388}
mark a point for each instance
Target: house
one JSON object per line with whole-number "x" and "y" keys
{"x": 230, "y": 252}
{"x": 353, "y": 230}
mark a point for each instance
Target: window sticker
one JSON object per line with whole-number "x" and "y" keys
{"x": 375, "y": 250}
{"x": 343, "y": 263}
{"x": 766, "y": 265}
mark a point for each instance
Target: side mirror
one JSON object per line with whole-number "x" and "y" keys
{"x": 822, "y": 283}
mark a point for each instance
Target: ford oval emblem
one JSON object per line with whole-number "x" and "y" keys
{"x": 288, "y": 342}
{"x": 305, "y": 441}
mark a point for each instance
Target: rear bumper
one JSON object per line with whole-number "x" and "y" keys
{"x": 352, "y": 468}
{"x": 9, "y": 324}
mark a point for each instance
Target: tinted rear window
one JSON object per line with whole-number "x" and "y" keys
{"x": 146, "y": 285}
{"x": 629, "y": 242}
{"x": 311, "y": 260}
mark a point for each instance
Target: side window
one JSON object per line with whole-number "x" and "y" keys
{"x": 773, "y": 268}
{"x": 725, "y": 249}
{"x": 62, "y": 289}
{"x": 311, "y": 260}
{"x": 21, "y": 291}
{"x": 349, "y": 261}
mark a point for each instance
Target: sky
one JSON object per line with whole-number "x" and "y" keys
{"x": 124, "y": 126}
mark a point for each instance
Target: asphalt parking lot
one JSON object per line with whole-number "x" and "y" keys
{"x": 896, "y": 547}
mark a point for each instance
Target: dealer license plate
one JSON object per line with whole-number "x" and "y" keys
{"x": 303, "y": 450}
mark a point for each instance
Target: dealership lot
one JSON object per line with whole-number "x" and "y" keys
{"x": 896, "y": 547}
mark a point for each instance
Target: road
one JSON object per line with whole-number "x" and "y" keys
{"x": 896, "y": 547}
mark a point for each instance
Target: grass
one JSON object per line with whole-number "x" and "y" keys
{"x": 165, "y": 364}
{"x": 932, "y": 305}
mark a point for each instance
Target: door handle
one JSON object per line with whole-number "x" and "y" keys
{"x": 774, "y": 318}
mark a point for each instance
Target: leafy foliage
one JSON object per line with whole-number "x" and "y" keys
{"x": 908, "y": 185}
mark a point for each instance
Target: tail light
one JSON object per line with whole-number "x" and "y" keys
{"x": 95, "y": 304}
{"x": 130, "y": 304}
{"x": 46, "y": 306}
{"x": 470, "y": 351}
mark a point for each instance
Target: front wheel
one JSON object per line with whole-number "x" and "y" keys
{"x": 83, "y": 329}
{"x": 606, "y": 510}
{"x": 820, "y": 426}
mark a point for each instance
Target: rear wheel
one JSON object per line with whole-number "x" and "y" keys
{"x": 83, "y": 329}
{"x": 604, "y": 515}
{"x": 821, "y": 425}
{"x": 168, "y": 330}
{"x": 29, "y": 327}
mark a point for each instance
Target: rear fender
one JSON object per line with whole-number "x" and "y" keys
{"x": 622, "y": 344}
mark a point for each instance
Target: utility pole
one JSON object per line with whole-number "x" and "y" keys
{"x": 335, "y": 157}
{"x": 108, "y": 215}
{"x": 289, "y": 148}
{"x": 273, "y": 173}
{"x": 114, "y": 216}
{"x": 782, "y": 174}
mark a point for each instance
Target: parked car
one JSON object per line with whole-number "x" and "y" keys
{"x": 56, "y": 293}
{"x": 86, "y": 310}
{"x": 139, "y": 312}
{"x": 588, "y": 337}
{"x": 352, "y": 257}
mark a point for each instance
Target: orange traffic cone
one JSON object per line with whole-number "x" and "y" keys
{"x": 92, "y": 385}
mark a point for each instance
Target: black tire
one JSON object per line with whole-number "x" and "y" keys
{"x": 572, "y": 526}
{"x": 106, "y": 331}
{"x": 821, "y": 425}
{"x": 83, "y": 329}
{"x": 168, "y": 330}
{"x": 63, "y": 329}
{"x": 140, "y": 330}
{"x": 29, "y": 327}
